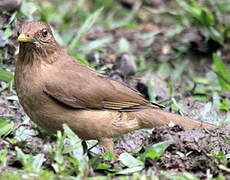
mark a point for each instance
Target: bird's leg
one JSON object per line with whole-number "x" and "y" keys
{"x": 84, "y": 146}
{"x": 106, "y": 144}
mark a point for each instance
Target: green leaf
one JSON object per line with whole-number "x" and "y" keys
{"x": 176, "y": 176}
{"x": 37, "y": 161}
{"x": 207, "y": 17}
{"x": 164, "y": 70}
{"x": 30, "y": 163}
{"x": 176, "y": 74}
{"x": 5, "y": 127}
{"x": 57, "y": 154}
{"x": 74, "y": 142}
{"x": 151, "y": 91}
{"x": 5, "y": 75}
{"x": 70, "y": 134}
{"x": 3, "y": 157}
{"x": 174, "y": 31}
{"x": 216, "y": 99}
{"x": 7, "y": 33}
{"x": 96, "y": 44}
{"x": 72, "y": 145}
{"x": 99, "y": 178}
{"x": 81, "y": 59}
{"x": 23, "y": 132}
{"x": 127, "y": 21}
{"x": 222, "y": 72}
{"x": 85, "y": 28}
{"x": 215, "y": 34}
{"x": 12, "y": 98}
{"x": 130, "y": 161}
{"x": 225, "y": 105}
{"x": 206, "y": 110}
{"x": 148, "y": 38}
{"x": 109, "y": 156}
{"x": 124, "y": 45}
{"x": 198, "y": 12}
{"x": 176, "y": 106}
{"x": 155, "y": 151}
{"x": 224, "y": 168}
{"x": 130, "y": 170}
{"x": 201, "y": 97}
{"x": 101, "y": 166}
{"x": 201, "y": 80}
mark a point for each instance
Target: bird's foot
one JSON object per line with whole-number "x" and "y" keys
{"x": 106, "y": 144}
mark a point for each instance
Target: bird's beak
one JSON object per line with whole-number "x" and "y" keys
{"x": 24, "y": 38}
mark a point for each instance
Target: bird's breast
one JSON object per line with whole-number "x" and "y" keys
{"x": 28, "y": 82}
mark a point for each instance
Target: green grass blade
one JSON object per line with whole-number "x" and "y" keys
{"x": 5, "y": 76}
{"x": 222, "y": 72}
{"x": 90, "y": 21}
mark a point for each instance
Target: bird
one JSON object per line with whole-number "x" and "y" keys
{"x": 54, "y": 89}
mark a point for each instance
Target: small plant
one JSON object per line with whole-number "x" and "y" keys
{"x": 207, "y": 20}
{"x": 67, "y": 155}
{"x": 222, "y": 72}
{"x": 29, "y": 162}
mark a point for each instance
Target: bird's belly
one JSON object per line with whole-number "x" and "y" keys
{"x": 96, "y": 124}
{"x": 87, "y": 124}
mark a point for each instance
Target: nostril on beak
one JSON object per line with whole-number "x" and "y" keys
{"x": 25, "y": 38}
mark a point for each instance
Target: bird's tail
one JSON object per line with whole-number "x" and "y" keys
{"x": 150, "y": 118}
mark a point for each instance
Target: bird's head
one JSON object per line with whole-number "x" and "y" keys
{"x": 36, "y": 35}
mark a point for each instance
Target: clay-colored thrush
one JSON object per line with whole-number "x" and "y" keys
{"x": 55, "y": 89}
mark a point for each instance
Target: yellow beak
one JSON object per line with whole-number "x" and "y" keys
{"x": 24, "y": 38}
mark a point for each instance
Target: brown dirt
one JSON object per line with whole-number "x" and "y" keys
{"x": 192, "y": 150}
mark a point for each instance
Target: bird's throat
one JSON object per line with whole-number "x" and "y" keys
{"x": 30, "y": 54}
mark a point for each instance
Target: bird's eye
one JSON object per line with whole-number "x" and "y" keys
{"x": 44, "y": 32}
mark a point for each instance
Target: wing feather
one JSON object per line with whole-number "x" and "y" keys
{"x": 80, "y": 87}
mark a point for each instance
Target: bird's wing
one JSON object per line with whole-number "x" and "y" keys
{"x": 78, "y": 86}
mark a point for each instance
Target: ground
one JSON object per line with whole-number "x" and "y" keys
{"x": 170, "y": 56}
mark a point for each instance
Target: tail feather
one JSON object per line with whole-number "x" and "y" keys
{"x": 150, "y": 118}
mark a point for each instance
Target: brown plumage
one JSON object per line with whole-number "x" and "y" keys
{"x": 55, "y": 89}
